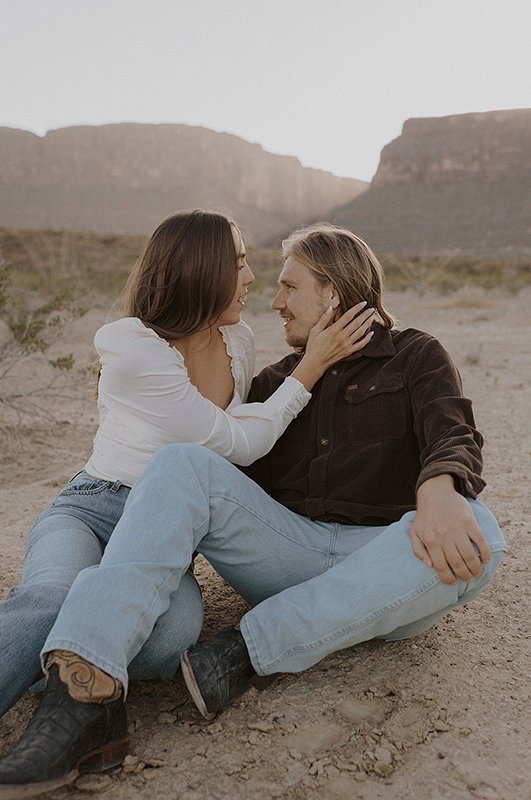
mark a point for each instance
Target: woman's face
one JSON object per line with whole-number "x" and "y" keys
{"x": 231, "y": 315}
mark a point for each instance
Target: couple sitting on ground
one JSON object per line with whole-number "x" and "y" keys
{"x": 352, "y": 514}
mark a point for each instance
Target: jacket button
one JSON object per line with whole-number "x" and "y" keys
{"x": 333, "y": 372}
{"x": 323, "y": 441}
{"x": 372, "y": 388}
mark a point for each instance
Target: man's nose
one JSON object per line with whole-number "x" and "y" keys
{"x": 277, "y": 303}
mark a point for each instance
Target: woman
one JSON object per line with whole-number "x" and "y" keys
{"x": 176, "y": 368}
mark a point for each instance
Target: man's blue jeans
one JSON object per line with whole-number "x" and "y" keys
{"x": 69, "y": 536}
{"x": 316, "y": 587}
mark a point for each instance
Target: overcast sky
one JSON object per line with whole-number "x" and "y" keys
{"x": 328, "y": 81}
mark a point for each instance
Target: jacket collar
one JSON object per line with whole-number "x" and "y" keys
{"x": 380, "y": 346}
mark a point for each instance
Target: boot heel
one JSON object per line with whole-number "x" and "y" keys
{"x": 106, "y": 757}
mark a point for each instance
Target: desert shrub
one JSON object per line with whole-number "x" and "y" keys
{"x": 28, "y": 330}
{"x": 446, "y": 273}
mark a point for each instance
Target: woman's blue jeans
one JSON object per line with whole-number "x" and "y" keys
{"x": 68, "y": 537}
{"x": 316, "y": 587}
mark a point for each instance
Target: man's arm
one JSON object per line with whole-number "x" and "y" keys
{"x": 444, "y": 532}
{"x": 444, "y": 424}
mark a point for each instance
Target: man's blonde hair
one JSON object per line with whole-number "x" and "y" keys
{"x": 339, "y": 256}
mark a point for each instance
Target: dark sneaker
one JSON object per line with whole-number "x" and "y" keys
{"x": 63, "y": 739}
{"x": 217, "y": 671}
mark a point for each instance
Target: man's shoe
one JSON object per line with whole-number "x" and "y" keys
{"x": 63, "y": 739}
{"x": 217, "y": 671}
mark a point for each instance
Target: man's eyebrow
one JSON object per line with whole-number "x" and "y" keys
{"x": 285, "y": 282}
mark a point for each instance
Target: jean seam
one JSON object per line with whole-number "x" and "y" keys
{"x": 148, "y": 611}
{"x": 266, "y": 522}
{"x": 332, "y": 549}
{"x": 97, "y": 490}
{"x": 351, "y": 627}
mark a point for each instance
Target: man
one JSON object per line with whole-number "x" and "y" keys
{"x": 361, "y": 522}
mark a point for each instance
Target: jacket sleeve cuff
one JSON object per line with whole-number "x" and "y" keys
{"x": 466, "y": 482}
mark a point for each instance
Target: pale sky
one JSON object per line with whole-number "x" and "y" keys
{"x": 328, "y": 81}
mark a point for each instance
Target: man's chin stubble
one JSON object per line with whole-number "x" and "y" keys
{"x": 293, "y": 341}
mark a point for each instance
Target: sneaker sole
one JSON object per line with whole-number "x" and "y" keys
{"x": 100, "y": 760}
{"x": 193, "y": 688}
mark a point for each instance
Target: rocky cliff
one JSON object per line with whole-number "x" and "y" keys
{"x": 451, "y": 183}
{"x": 128, "y": 177}
{"x": 490, "y": 145}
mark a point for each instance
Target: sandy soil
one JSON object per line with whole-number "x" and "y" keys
{"x": 442, "y": 716}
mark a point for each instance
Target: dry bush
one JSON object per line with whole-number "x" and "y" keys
{"x": 27, "y": 375}
{"x": 448, "y": 273}
{"x": 95, "y": 267}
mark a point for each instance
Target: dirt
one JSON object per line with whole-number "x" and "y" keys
{"x": 445, "y": 715}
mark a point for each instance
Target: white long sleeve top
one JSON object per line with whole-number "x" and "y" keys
{"x": 146, "y": 400}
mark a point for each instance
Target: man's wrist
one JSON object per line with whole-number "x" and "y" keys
{"x": 439, "y": 484}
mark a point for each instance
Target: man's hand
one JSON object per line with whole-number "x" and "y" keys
{"x": 444, "y": 531}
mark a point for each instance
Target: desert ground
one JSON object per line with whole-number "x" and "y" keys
{"x": 445, "y": 715}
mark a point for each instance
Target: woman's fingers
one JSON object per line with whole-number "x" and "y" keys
{"x": 349, "y": 316}
{"x": 354, "y": 333}
{"x": 350, "y": 333}
{"x": 323, "y": 321}
{"x": 359, "y": 344}
{"x": 353, "y": 317}
{"x": 359, "y": 326}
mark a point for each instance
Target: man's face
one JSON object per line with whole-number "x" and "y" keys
{"x": 300, "y": 301}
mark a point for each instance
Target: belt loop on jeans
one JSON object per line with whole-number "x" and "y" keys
{"x": 116, "y": 485}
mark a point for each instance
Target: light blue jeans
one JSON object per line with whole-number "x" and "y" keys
{"x": 69, "y": 536}
{"x": 316, "y": 587}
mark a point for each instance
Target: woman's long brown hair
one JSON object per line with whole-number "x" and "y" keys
{"x": 186, "y": 276}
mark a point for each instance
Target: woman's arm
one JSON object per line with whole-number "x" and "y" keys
{"x": 144, "y": 382}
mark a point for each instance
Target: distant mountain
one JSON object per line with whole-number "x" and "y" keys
{"x": 126, "y": 178}
{"x": 459, "y": 183}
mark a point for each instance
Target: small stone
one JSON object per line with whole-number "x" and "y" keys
{"x": 165, "y": 718}
{"x": 332, "y": 773}
{"x": 253, "y": 738}
{"x": 93, "y": 783}
{"x": 287, "y": 727}
{"x": 384, "y": 770}
{"x": 346, "y": 766}
{"x": 440, "y": 725}
{"x": 155, "y": 762}
{"x": 486, "y": 793}
{"x": 383, "y": 755}
{"x": 130, "y": 763}
{"x": 216, "y": 727}
{"x": 262, "y": 726}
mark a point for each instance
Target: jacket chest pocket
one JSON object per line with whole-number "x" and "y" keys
{"x": 377, "y": 410}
